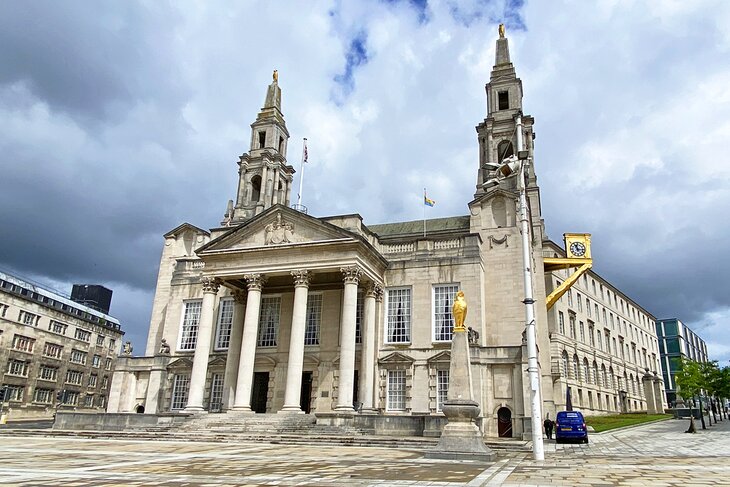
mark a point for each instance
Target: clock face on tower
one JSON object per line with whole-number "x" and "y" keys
{"x": 577, "y": 249}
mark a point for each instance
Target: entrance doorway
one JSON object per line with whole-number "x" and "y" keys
{"x": 260, "y": 391}
{"x": 305, "y": 398}
{"x": 504, "y": 422}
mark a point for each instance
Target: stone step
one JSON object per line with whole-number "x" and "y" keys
{"x": 414, "y": 443}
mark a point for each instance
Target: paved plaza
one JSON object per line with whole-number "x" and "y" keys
{"x": 657, "y": 454}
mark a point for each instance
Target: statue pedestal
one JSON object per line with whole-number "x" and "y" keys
{"x": 460, "y": 438}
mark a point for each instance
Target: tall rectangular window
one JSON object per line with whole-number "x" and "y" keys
{"x": 571, "y": 318}
{"x": 83, "y": 335}
{"x": 216, "y": 393}
{"x": 443, "y": 299}
{"x": 591, "y": 335}
{"x": 180, "y": 388}
{"x": 17, "y": 367}
{"x": 580, "y": 302}
{"x": 100, "y": 340}
{"x": 28, "y": 318}
{"x": 600, "y": 341}
{"x": 442, "y": 388}
{"x": 396, "y": 390}
{"x": 582, "y": 332}
{"x": 561, "y": 322}
{"x": 314, "y": 318}
{"x": 225, "y": 322}
{"x": 13, "y": 392}
{"x": 503, "y": 100}
{"x": 23, "y": 343}
{"x": 57, "y": 327}
{"x": 269, "y": 321}
{"x": 46, "y": 372}
{"x": 359, "y": 313}
{"x": 42, "y": 395}
{"x": 398, "y": 328}
{"x": 189, "y": 328}
{"x": 78, "y": 357}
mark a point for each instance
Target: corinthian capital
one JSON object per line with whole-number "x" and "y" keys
{"x": 255, "y": 281}
{"x": 351, "y": 274}
{"x": 374, "y": 290}
{"x": 210, "y": 284}
{"x": 301, "y": 277}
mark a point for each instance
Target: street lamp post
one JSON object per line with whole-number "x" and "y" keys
{"x": 512, "y": 166}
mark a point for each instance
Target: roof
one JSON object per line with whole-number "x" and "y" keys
{"x": 452, "y": 223}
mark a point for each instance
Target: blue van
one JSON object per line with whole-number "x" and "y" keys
{"x": 570, "y": 425}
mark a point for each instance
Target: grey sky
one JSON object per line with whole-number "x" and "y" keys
{"x": 120, "y": 120}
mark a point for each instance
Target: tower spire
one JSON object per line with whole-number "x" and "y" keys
{"x": 265, "y": 178}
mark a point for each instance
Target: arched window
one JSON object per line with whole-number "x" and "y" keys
{"x": 565, "y": 363}
{"x": 504, "y": 150}
{"x": 595, "y": 374}
{"x": 576, "y": 375}
{"x": 586, "y": 371}
{"x": 255, "y": 188}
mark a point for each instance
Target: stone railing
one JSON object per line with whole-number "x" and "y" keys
{"x": 398, "y": 248}
{"x": 447, "y": 244}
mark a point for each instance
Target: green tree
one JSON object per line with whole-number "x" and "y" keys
{"x": 689, "y": 381}
{"x": 713, "y": 379}
{"x": 723, "y": 391}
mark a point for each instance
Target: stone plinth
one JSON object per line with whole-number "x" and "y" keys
{"x": 461, "y": 438}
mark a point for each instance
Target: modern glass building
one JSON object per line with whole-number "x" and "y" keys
{"x": 676, "y": 340}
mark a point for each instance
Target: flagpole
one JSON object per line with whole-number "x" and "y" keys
{"x": 424, "y": 212}
{"x": 301, "y": 174}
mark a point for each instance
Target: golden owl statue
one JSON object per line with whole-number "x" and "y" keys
{"x": 459, "y": 311}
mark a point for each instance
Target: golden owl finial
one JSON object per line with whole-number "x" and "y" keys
{"x": 458, "y": 310}
{"x": 501, "y": 31}
{"x": 276, "y": 76}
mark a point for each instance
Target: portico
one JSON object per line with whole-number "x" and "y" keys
{"x": 303, "y": 257}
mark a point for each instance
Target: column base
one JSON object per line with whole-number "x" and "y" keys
{"x": 345, "y": 409}
{"x": 194, "y": 409}
{"x": 290, "y": 410}
{"x": 369, "y": 411}
{"x": 241, "y": 409}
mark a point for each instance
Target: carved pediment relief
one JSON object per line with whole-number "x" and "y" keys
{"x": 182, "y": 363}
{"x": 396, "y": 358}
{"x": 442, "y": 357}
{"x": 217, "y": 362}
{"x": 277, "y": 227}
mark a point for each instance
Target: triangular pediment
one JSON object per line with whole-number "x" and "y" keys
{"x": 496, "y": 192}
{"x": 441, "y": 357}
{"x": 180, "y": 363}
{"x": 217, "y": 362}
{"x": 278, "y": 226}
{"x": 396, "y": 358}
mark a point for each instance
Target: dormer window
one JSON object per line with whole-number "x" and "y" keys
{"x": 262, "y": 139}
{"x": 503, "y": 100}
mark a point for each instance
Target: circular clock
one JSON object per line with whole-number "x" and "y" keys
{"x": 577, "y": 249}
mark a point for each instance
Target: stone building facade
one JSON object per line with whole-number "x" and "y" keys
{"x": 280, "y": 311}
{"x": 55, "y": 353}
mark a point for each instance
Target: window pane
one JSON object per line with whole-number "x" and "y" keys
{"x": 396, "y": 390}
{"x": 399, "y": 316}
{"x": 225, "y": 321}
{"x": 191, "y": 320}
{"x": 269, "y": 321}
{"x": 314, "y": 317}
{"x": 443, "y": 298}
{"x": 442, "y": 388}
{"x": 180, "y": 387}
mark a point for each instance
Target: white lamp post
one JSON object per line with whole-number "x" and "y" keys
{"x": 510, "y": 167}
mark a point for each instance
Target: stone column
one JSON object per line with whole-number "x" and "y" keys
{"x": 241, "y": 195}
{"x": 234, "y": 350}
{"x": 658, "y": 396}
{"x": 351, "y": 276}
{"x": 158, "y": 375}
{"x": 367, "y": 367}
{"x": 131, "y": 393}
{"x": 202, "y": 345}
{"x": 648, "y": 382}
{"x": 275, "y": 187}
{"x": 293, "y": 391}
{"x": 288, "y": 192}
{"x": 244, "y": 380}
